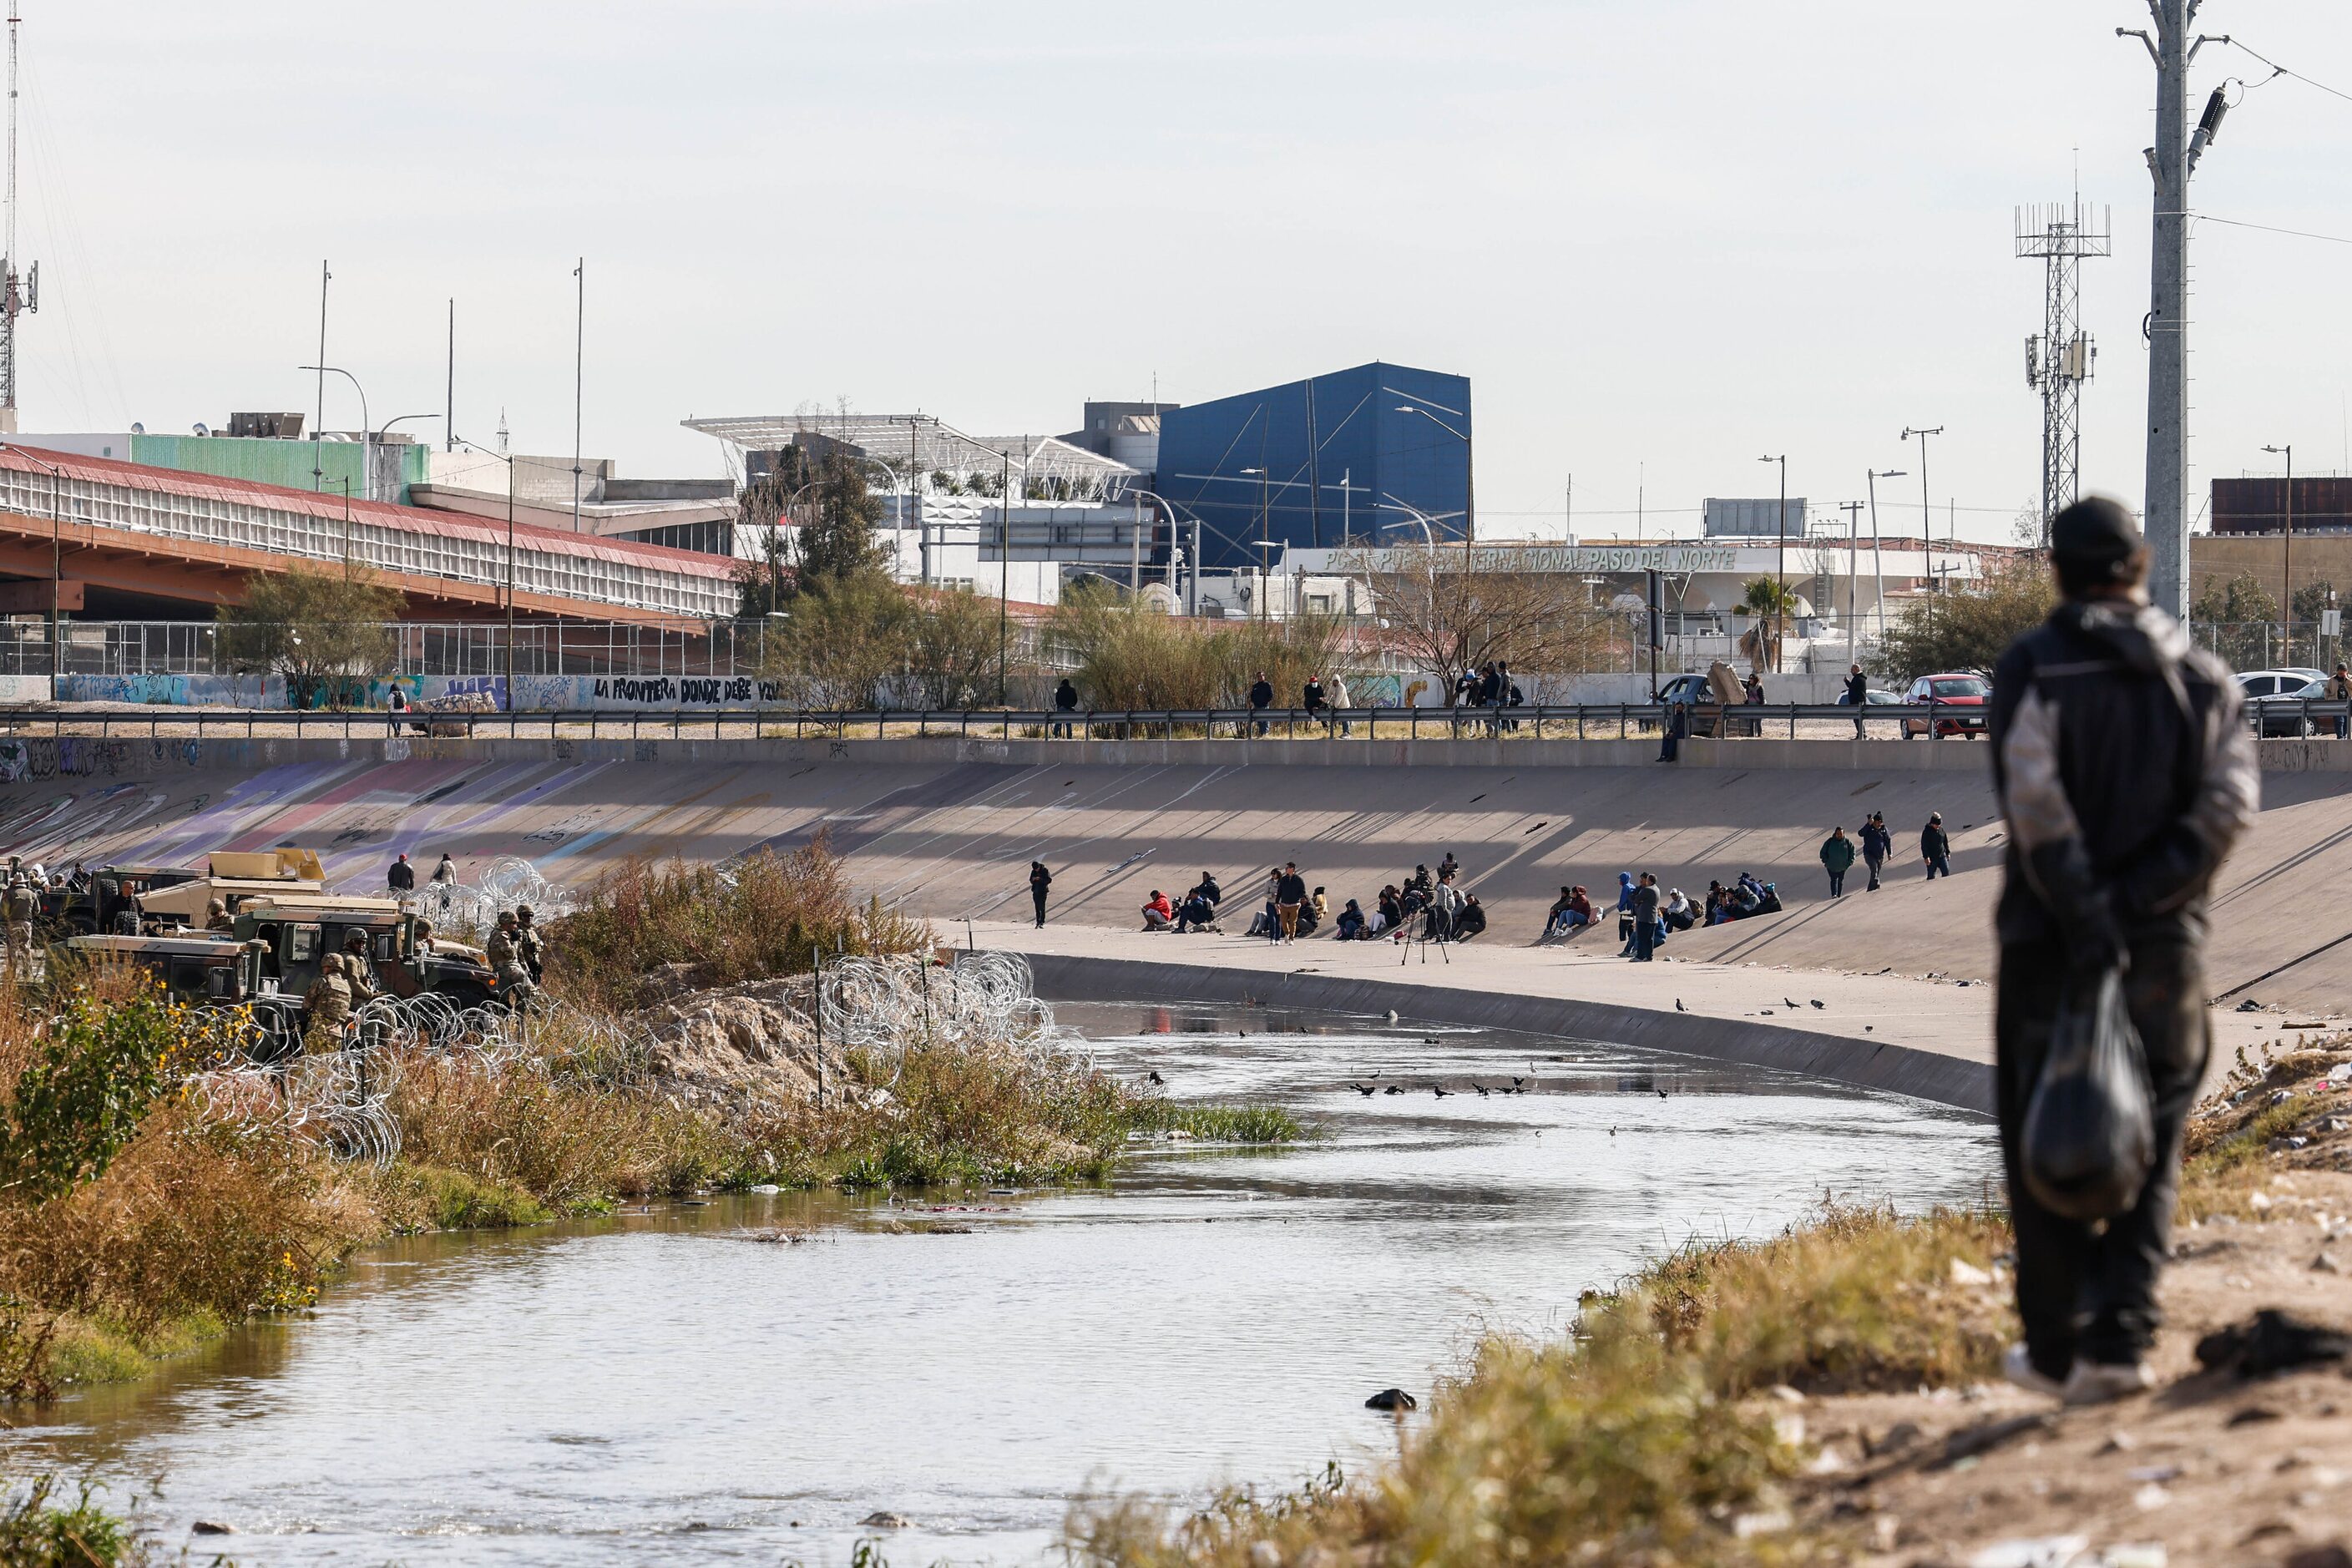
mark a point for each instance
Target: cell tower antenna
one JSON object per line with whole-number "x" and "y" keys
{"x": 19, "y": 295}
{"x": 2061, "y": 356}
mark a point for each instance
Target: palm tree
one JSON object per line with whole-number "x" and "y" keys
{"x": 1769, "y": 596}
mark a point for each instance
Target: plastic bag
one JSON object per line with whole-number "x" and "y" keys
{"x": 2090, "y": 1126}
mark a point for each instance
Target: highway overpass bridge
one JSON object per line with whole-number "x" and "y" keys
{"x": 113, "y": 538}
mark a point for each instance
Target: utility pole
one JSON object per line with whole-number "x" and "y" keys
{"x": 1780, "y": 571}
{"x": 2170, "y": 162}
{"x": 318, "y": 420}
{"x": 579, "y": 382}
{"x": 2287, "y": 567}
{"x": 449, "y": 419}
{"x": 1004, "y": 571}
{"x": 19, "y": 296}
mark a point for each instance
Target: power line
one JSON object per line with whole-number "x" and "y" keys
{"x": 2279, "y": 70}
{"x": 2269, "y": 228}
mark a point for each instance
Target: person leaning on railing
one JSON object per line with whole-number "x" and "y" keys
{"x": 2339, "y": 690}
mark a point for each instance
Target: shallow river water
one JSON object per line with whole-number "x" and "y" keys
{"x": 667, "y": 1385}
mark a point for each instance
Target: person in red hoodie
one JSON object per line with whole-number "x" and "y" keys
{"x": 1158, "y": 914}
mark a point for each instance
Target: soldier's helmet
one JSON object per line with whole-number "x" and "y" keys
{"x": 523, "y": 913}
{"x": 355, "y": 942}
{"x": 505, "y": 917}
{"x": 216, "y": 907}
{"x": 332, "y": 965}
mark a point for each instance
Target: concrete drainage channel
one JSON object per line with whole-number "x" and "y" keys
{"x": 1940, "y": 1079}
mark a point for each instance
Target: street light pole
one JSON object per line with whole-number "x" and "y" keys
{"x": 1926, "y": 521}
{"x": 1780, "y": 570}
{"x": 509, "y": 461}
{"x": 1877, "y": 560}
{"x": 367, "y": 474}
{"x": 2287, "y": 567}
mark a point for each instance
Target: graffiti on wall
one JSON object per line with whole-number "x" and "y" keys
{"x": 581, "y": 693}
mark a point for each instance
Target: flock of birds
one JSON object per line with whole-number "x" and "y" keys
{"x": 1516, "y": 1086}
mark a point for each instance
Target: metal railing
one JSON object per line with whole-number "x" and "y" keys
{"x": 1587, "y": 722}
{"x": 722, "y": 648}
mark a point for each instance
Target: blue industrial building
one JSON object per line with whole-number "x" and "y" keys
{"x": 1368, "y": 454}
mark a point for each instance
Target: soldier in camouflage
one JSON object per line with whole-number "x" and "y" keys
{"x": 326, "y": 1009}
{"x": 530, "y": 945}
{"x": 357, "y": 972}
{"x": 18, "y": 906}
{"x": 505, "y": 962}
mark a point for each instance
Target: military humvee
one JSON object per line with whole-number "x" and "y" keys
{"x": 236, "y": 878}
{"x": 295, "y": 931}
{"x": 210, "y": 969}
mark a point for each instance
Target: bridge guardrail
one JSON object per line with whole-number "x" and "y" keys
{"x": 1620, "y": 720}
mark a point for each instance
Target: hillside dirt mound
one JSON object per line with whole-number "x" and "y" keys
{"x": 754, "y": 1041}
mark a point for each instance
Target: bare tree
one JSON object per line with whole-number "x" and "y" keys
{"x": 1452, "y": 621}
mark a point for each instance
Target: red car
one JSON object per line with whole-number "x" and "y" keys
{"x": 1960, "y": 705}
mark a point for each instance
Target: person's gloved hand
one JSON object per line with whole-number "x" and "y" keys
{"x": 2085, "y": 905}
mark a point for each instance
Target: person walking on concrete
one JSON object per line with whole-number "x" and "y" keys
{"x": 2125, "y": 772}
{"x": 2339, "y": 690}
{"x": 1837, "y": 859}
{"x": 1645, "y": 918}
{"x": 1065, "y": 702}
{"x": 1261, "y": 697}
{"x": 1289, "y": 892}
{"x": 1936, "y": 847}
{"x": 400, "y": 877}
{"x": 1857, "y": 693}
{"x": 1040, "y": 880}
{"x": 1876, "y": 844}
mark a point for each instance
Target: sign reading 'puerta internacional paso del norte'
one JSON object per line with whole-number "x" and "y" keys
{"x": 1677, "y": 560}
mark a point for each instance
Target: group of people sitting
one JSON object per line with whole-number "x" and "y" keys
{"x": 1670, "y": 909}
{"x": 1744, "y": 898}
{"x": 1291, "y": 910}
{"x": 1197, "y": 910}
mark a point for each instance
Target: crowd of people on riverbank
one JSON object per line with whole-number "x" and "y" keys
{"x": 1434, "y": 905}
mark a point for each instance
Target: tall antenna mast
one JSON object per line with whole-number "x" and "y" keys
{"x": 2061, "y": 357}
{"x": 18, "y": 296}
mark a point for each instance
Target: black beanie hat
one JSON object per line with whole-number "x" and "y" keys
{"x": 2093, "y": 530}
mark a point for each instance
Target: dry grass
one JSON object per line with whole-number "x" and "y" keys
{"x": 1635, "y": 1441}
{"x": 645, "y": 925}
{"x": 196, "y": 1224}
{"x": 2267, "y": 1097}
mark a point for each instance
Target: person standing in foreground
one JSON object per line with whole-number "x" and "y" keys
{"x": 1857, "y": 693}
{"x": 2125, "y": 772}
{"x": 1040, "y": 880}
{"x": 1837, "y": 859}
{"x": 1936, "y": 847}
{"x": 2339, "y": 690}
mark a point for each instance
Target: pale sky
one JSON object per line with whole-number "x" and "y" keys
{"x": 1660, "y": 239}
